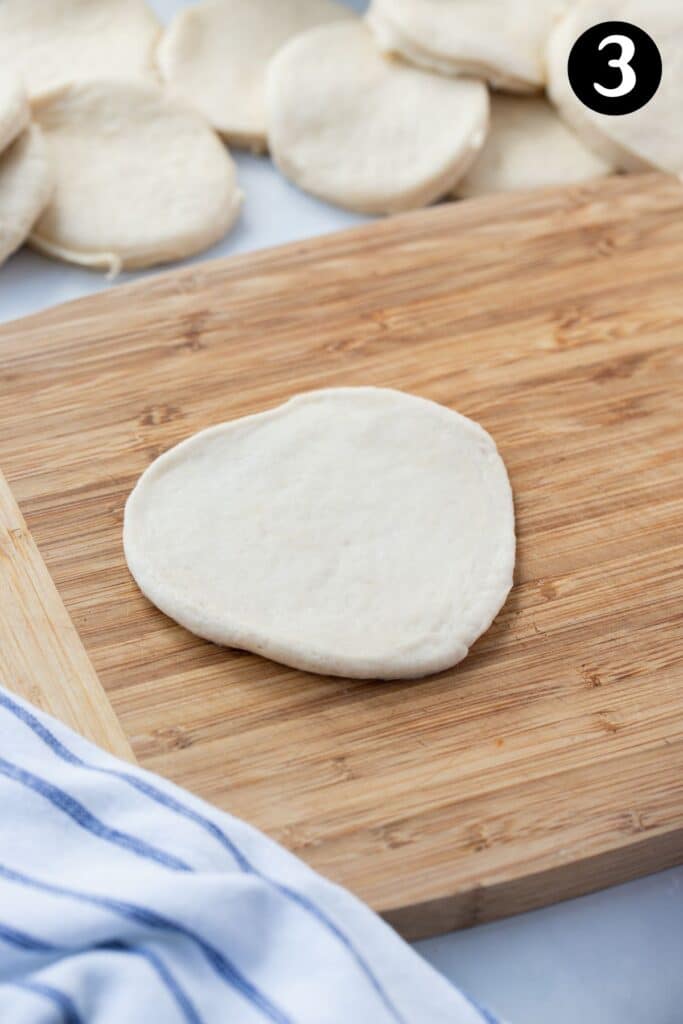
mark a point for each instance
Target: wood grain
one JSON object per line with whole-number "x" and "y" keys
{"x": 551, "y": 761}
{"x": 41, "y": 655}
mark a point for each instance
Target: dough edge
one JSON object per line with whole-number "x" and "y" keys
{"x": 17, "y": 114}
{"x": 114, "y": 262}
{"x": 42, "y": 194}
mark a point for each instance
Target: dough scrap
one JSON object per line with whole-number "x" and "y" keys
{"x": 500, "y": 41}
{"x": 359, "y": 532}
{"x": 140, "y": 179}
{"x": 215, "y": 55}
{"x": 528, "y": 146}
{"x": 14, "y": 108}
{"x": 26, "y": 184}
{"x": 363, "y": 131}
{"x": 649, "y": 138}
{"x": 52, "y": 42}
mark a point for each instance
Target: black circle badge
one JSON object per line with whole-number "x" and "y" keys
{"x": 615, "y": 68}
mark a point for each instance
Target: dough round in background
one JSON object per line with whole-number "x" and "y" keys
{"x": 14, "y": 108}
{"x": 651, "y": 137}
{"x": 498, "y": 40}
{"x": 371, "y": 134}
{"x": 215, "y": 55}
{"x": 140, "y": 179}
{"x": 528, "y": 146}
{"x": 51, "y": 42}
{"x": 25, "y": 188}
{"x": 360, "y": 532}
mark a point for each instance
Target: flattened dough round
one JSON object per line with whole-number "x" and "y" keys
{"x": 360, "y": 532}
{"x": 25, "y": 188}
{"x": 51, "y": 42}
{"x": 14, "y": 109}
{"x": 528, "y": 146}
{"x": 215, "y": 55}
{"x": 651, "y": 137}
{"x": 499, "y": 40}
{"x": 140, "y": 179}
{"x": 366, "y": 132}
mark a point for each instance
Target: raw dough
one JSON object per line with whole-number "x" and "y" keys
{"x": 501, "y": 41}
{"x": 528, "y": 146}
{"x": 652, "y": 137}
{"x": 25, "y": 188}
{"x": 140, "y": 178}
{"x": 216, "y": 53}
{"x": 360, "y": 532}
{"x": 51, "y": 42}
{"x": 367, "y": 132}
{"x": 14, "y": 109}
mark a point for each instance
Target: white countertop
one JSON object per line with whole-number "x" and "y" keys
{"x": 612, "y": 958}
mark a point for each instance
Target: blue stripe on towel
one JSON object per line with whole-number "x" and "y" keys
{"x": 150, "y": 919}
{"x": 82, "y": 816}
{"x": 64, "y": 1004}
{"x": 30, "y": 944}
{"x": 157, "y": 795}
{"x": 22, "y": 940}
{"x": 147, "y": 789}
{"x": 180, "y": 997}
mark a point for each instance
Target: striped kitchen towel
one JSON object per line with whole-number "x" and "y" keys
{"x": 125, "y": 900}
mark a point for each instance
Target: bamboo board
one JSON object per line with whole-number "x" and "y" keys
{"x": 551, "y": 761}
{"x": 41, "y": 655}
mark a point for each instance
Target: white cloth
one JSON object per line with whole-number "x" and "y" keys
{"x": 125, "y": 900}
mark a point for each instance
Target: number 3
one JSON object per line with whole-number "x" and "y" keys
{"x": 623, "y": 62}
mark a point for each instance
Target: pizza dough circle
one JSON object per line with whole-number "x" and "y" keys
{"x": 14, "y": 108}
{"x": 52, "y": 42}
{"x": 651, "y": 137}
{"x": 215, "y": 55}
{"x": 140, "y": 179}
{"x": 359, "y": 532}
{"x": 371, "y": 134}
{"x": 500, "y": 41}
{"x": 25, "y": 187}
{"x": 528, "y": 146}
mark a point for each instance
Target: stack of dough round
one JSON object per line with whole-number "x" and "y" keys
{"x": 498, "y": 40}
{"x": 352, "y": 531}
{"x": 651, "y": 137}
{"x": 371, "y": 134}
{"x": 215, "y": 55}
{"x": 25, "y": 177}
{"x": 52, "y": 42}
{"x": 140, "y": 179}
{"x": 528, "y": 146}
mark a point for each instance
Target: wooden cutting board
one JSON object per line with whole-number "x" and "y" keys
{"x": 551, "y": 761}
